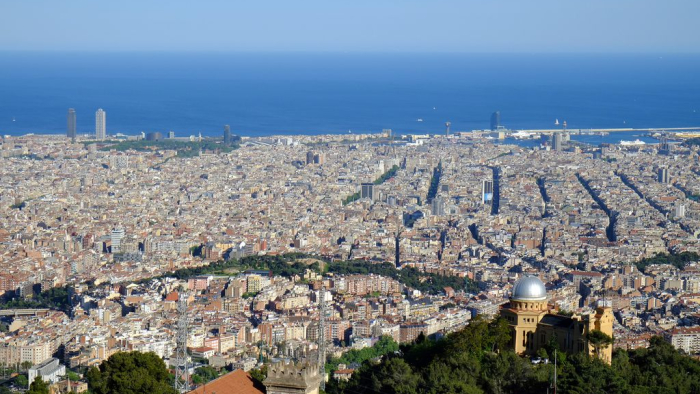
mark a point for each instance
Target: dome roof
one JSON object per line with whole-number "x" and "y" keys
{"x": 529, "y": 288}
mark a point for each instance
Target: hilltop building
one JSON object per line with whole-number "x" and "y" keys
{"x": 283, "y": 378}
{"x": 535, "y": 325}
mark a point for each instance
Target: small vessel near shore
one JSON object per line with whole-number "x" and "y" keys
{"x": 632, "y": 143}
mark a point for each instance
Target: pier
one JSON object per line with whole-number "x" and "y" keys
{"x": 679, "y": 131}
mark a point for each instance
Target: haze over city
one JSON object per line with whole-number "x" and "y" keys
{"x": 543, "y": 26}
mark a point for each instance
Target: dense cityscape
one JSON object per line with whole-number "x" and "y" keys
{"x": 246, "y": 253}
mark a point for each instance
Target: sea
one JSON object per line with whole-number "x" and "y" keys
{"x": 262, "y": 94}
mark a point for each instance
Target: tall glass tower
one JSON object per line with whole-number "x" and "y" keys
{"x": 227, "y": 135}
{"x": 495, "y": 120}
{"x": 100, "y": 124}
{"x": 71, "y": 129}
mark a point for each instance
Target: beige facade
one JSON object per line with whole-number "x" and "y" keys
{"x": 533, "y": 329}
{"x": 534, "y": 326}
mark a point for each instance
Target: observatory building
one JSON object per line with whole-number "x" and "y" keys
{"x": 534, "y": 325}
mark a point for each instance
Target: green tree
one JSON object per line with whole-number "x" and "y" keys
{"x": 130, "y": 373}
{"x": 599, "y": 340}
{"x": 500, "y": 334}
{"x": 393, "y": 376}
{"x": 259, "y": 375}
{"x": 72, "y": 376}
{"x": 206, "y": 373}
{"x": 21, "y": 381}
{"x": 38, "y": 386}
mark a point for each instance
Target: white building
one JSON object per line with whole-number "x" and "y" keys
{"x": 116, "y": 238}
{"x": 686, "y": 339}
{"x": 50, "y": 371}
{"x": 100, "y": 124}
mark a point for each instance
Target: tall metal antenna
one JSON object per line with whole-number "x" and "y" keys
{"x": 322, "y": 335}
{"x": 397, "y": 241}
{"x": 182, "y": 370}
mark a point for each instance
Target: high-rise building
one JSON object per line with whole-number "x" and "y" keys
{"x": 664, "y": 146}
{"x": 557, "y": 140}
{"x": 310, "y": 157}
{"x": 663, "y": 175}
{"x": 71, "y": 130}
{"x": 438, "y": 206}
{"x": 486, "y": 191}
{"x": 495, "y": 120}
{"x": 679, "y": 211}
{"x": 227, "y": 134}
{"x": 367, "y": 191}
{"x": 100, "y": 124}
{"x": 154, "y": 136}
{"x": 171, "y": 134}
{"x": 116, "y": 238}
{"x": 119, "y": 162}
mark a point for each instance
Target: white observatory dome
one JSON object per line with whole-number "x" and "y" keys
{"x": 529, "y": 288}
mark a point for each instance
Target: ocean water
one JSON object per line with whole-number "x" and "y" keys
{"x": 313, "y": 93}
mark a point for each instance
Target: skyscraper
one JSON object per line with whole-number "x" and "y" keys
{"x": 100, "y": 124}
{"x": 71, "y": 130}
{"x": 438, "y": 206}
{"x": 367, "y": 191}
{"x": 227, "y": 134}
{"x": 663, "y": 176}
{"x": 495, "y": 120}
{"x": 557, "y": 141}
{"x": 116, "y": 237}
{"x": 664, "y": 146}
{"x": 486, "y": 191}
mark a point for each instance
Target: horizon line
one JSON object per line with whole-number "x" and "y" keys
{"x": 344, "y": 52}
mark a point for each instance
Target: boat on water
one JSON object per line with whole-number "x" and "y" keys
{"x": 556, "y": 122}
{"x": 520, "y": 135}
{"x": 419, "y": 120}
{"x": 13, "y": 119}
{"x": 635, "y": 142}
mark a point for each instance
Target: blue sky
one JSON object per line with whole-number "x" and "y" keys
{"x": 541, "y": 26}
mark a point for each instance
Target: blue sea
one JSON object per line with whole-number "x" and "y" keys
{"x": 316, "y": 93}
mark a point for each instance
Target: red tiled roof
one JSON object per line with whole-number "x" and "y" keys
{"x": 236, "y": 382}
{"x": 172, "y": 296}
{"x": 582, "y": 273}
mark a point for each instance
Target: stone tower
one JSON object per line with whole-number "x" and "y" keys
{"x": 291, "y": 378}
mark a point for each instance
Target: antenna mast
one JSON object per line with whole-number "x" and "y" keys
{"x": 182, "y": 370}
{"x": 322, "y": 335}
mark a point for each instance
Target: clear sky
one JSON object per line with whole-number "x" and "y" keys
{"x": 653, "y": 26}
